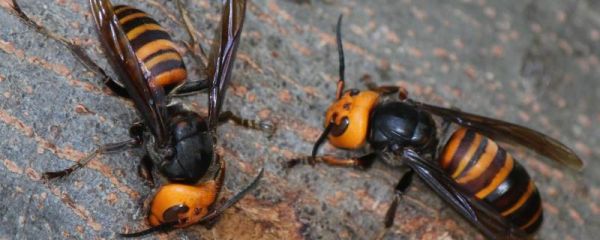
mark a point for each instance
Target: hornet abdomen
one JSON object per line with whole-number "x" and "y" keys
{"x": 487, "y": 171}
{"x": 153, "y": 46}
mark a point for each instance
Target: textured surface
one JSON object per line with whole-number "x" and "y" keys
{"x": 530, "y": 62}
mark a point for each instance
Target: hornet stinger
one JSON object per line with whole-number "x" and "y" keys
{"x": 179, "y": 143}
{"x": 469, "y": 171}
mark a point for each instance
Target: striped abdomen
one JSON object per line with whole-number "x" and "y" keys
{"x": 490, "y": 173}
{"x": 153, "y": 47}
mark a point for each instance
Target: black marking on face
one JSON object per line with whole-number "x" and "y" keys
{"x": 338, "y": 130}
{"x": 172, "y": 214}
{"x": 347, "y": 106}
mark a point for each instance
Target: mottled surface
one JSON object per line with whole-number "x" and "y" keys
{"x": 530, "y": 62}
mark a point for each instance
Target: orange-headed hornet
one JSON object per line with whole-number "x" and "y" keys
{"x": 473, "y": 174}
{"x": 178, "y": 142}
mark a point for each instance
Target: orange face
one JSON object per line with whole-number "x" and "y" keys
{"x": 184, "y": 203}
{"x": 350, "y": 114}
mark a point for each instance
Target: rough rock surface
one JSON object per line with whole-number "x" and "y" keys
{"x": 531, "y": 62}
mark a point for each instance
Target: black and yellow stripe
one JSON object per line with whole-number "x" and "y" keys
{"x": 153, "y": 47}
{"x": 490, "y": 173}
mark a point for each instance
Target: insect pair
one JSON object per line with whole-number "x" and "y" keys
{"x": 469, "y": 171}
{"x": 473, "y": 174}
{"x": 179, "y": 143}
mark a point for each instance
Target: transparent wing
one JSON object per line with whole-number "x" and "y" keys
{"x": 478, "y": 213}
{"x": 222, "y": 55}
{"x": 149, "y": 100}
{"x": 509, "y": 132}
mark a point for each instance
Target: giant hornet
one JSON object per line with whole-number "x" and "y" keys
{"x": 179, "y": 142}
{"x": 472, "y": 173}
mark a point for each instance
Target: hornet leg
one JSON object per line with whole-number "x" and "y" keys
{"x": 219, "y": 179}
{"x": 363, "y": 162}
{"x": 385, "y": 89}
{"x": 145, "y": 170}
{"x": 191, "y": 87}
{"x": 193, "y": 45}
{"x": 400, "y": 189}
{"x": 76, "y": 50}
{"x": 136, "y": 131}
{"x": 265, "y": 126}
{"x": 108, "y": 148}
